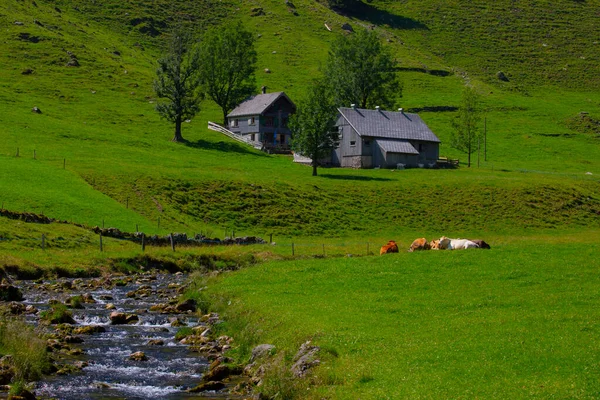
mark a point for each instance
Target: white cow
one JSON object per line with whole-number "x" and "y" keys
{"x": 456, "y": 244}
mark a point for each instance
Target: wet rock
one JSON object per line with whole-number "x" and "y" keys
{"x": 110, "y": 306}
{"x": 120, "y": 318}
{"x": 23, "y": 395}
{"x": 156, "y": 342}
{"x": 72, "y": 339}
{"x": 7, "y": 370}
{"x": 16, "y": 308}
{"x": 206, "y": 386}
{"x": 305, "y": 359}
{"x": 221, "y": 372}
{"x": 89, "y": 330}
{"x": 187, "y": 305}
{"x": 138, "y": 356}
{"x": 87, "y": 298}
{"x": 502, "y": 76}
{"x": 10, "y": 293}
{"x": 80, "y": 364}
{"x": 176, "y": 322}
{"x": 347, "y": 27}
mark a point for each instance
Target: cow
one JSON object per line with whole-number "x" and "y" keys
{"x": 419, "y": 244}
{"x": 481, "y": 243}
{"x": 434, "y": 245}
{"x": 456, "y": 244}
{"x": 390, "y": 247}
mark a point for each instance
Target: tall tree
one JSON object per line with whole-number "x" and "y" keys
{"x": 466, "y": 135}
{"x": 228, "y": 64}
{"x": 177, "y": 81}
{"x": 360, "y": 70}
{"x": 313, "y": 125}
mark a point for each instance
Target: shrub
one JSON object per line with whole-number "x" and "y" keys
{"x": 27, "y": 348}
{"x": 57, "y": 314}
{"x": 183, "y": 333}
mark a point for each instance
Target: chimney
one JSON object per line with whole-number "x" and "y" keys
{"x": 377, "y": 108}
{"x": 353, "y": 105}
{"x": 263, "y": 90}
{"x": 401, "y": 109}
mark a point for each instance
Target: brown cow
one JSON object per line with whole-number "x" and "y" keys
{"x": 419, "y": 244}
{"x": 391, "y": 247}
{"x": 434, "y": 245}
{"x": 481, "y": 243}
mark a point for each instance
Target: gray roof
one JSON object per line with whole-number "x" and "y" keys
{"x": 258, "y": 104}
{"x": 396, "y": 146}
{"x": 388, "y": 124}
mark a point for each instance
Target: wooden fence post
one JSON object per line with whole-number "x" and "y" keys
{"x": 270, "y": 236}
{"x": 34, "y": 154}
{"x": 64, "y": 163}
{"x": 17, "y": 155}
{"x": 172, "y": 242}
{"x": 293, "y": 248}
{"x": 43, "y": 242}
{"x": 137, "y": 229}
{"x": 323, "y": 248}
{"x": 101, "y": 249}
{"x": 143, "y": 242}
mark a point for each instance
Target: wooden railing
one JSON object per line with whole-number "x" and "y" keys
{"x": 218, "y": 128}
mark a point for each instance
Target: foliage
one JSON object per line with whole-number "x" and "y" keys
{"x": 177, "y": 81}
{"x": 227, "y": 67}
{"x": 466, "y": 136}
{"x": 313, "y": 125}
{"x": 183, "y": 332}
{"x": 56, "y": 314}
{"x": 26, "y": 347}
{"x": 360, "y": 70}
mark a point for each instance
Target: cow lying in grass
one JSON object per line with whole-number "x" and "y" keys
{"x": 419, "y": 244}
{"x": 456, "y": 244}
{"x": 391, "y": 247}
{"x": 481, "y": 243}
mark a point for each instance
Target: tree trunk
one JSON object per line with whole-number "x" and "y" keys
{"x": 178, "y": 137}
{"x": 314, "y": 166}
{"x": 225, "y": 119}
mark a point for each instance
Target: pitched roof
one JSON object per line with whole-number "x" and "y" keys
{"x": 388, "y": 124}
{"x": 396, "y": 146}
{"x": 258, "y": 104}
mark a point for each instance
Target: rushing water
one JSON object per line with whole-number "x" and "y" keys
{"x": 169, "y": 370}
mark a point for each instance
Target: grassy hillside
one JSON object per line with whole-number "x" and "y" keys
{"x": 98, "y": 123}
{"x": 491, "y": 324}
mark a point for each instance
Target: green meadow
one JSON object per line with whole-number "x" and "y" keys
{"x": 518, "y": 321}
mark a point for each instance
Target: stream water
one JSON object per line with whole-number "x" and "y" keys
{"x": 170, "y": 369}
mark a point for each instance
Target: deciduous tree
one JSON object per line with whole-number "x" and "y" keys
{"x": 228, "y": 64}
{"x": 313, "y": 125}
{"x": 466, "y": 134}
{"x": 177, "y": 81}
{"x": 360, "y": 70}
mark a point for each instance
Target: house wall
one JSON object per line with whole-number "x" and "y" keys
{"x": 278, "y": 113}
{"x": 428, "y": 151}
{"x": 347, "y": 154}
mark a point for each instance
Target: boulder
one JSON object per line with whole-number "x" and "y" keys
{"x": 502, "y": 76}
{"x": 138, "y": 356}
{"x": 261, "y": 351}
{"x": 155, "y": 342}
{"x": 187, "y": 305}
{"x": 10, "y": 293}
{"x": 220, "y": 372}
{"x": 347, "y": 27}
{"x": 305, "y": 359}
{"x": 120, "y": 318}
{"x": 89, "y": 329}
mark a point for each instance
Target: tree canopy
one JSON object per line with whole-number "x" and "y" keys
{"x": 466, "y": 134}
{"x": 360, "y": 70}
{"x": 313, "y": 125}
{"x": 228, "y": 64}
{"x": 177, "y": 81}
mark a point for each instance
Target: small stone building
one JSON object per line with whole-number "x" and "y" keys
{"x": 263, "y": 119}
{"x": 385, "y": 139}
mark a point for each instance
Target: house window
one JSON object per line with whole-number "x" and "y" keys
{"x": 367, "y": 143}
{"x": 234, "y": 123}
{"x": 340, "y": 132}
{"x": 253, "y": 137}
{"x": 353, "y": 143}
{"x": 252, "y": 121}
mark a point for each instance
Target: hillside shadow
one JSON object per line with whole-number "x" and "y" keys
{"x": 354, "y": 178}
{"x": 368, "y": 13}
{"x": 230, "y": 147}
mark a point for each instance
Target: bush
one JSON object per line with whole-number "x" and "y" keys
{"x": 27, "y": 349}
{"x": 183, "y": 333}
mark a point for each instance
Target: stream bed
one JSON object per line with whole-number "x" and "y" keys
{"x": 105, "y": 368}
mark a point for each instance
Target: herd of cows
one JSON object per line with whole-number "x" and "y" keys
{"x": 443, "y": 243}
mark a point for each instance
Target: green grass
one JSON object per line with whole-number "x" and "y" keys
{"x": 487, "y": 324}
